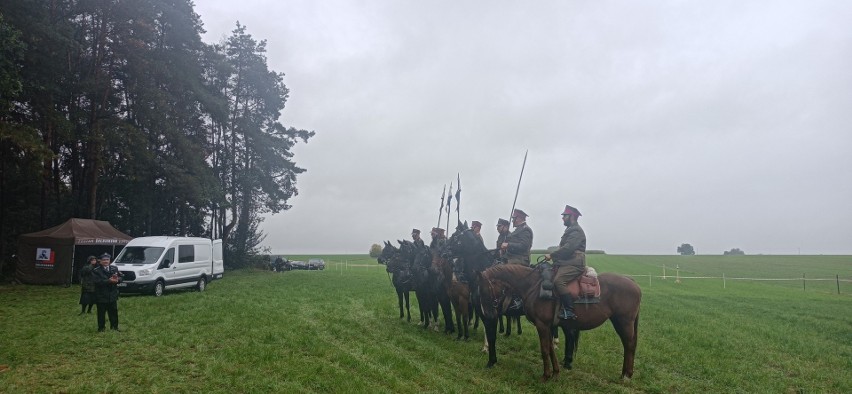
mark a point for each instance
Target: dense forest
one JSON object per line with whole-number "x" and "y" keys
{"x": 116, "y": 110}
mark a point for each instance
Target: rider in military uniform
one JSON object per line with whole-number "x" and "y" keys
{"x": 502, "y": 233}
{"x": 415, "y": 235}
{"x": 476, "y": 226}
{"x": 569, "y": 259}
{"x": 438, "y": 238}
{"x": 518, "y": 243}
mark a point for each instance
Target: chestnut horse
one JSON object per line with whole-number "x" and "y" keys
{"x": 619, "y": 303}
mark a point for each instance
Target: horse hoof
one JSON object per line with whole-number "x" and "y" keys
{"x": 490, "y": 365}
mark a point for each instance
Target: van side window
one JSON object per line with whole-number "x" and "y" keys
{"x": 168, "y": 259}
{"x": 186, "y": 253}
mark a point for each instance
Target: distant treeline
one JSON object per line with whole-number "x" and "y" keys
{"x": 117, "y": 111}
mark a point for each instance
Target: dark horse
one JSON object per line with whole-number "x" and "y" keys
{"x": 619, "y": 303}
{"x": 463, "y": 242}
{"x": 401, "y": 277}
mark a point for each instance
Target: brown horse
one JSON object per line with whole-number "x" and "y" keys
{"x": 619, "y": 303}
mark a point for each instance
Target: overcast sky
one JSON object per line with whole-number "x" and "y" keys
{"x": 723, "y": 124}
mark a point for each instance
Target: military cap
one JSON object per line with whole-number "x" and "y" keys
{"x": 502, "y": 222}
{"x": 437, "y": 230}
{"x": 106, "y": 256}
{"x": 519, "y": 214}
{"x": 90, "y": 258}
{"x": 476, "y": 223}
{"x": 415, "y": 231}
{"x": 569, "y": 210}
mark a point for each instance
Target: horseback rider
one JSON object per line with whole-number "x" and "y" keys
{"x": 438, "y": 238}
{"x": 518, "y": 243}
{"x": 415, "y": 235}
{"x": 569, "y": 259}
{"x": 502, "y": 232}
{"x": 476, "y": 226}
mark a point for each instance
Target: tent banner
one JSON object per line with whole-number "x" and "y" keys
{"x": 101, "y": 241}
{"x": 45, "y": 258}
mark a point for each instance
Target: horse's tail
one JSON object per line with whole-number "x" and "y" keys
{"x": 636, "y": 328}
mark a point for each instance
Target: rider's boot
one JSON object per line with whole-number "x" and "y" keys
{"x": 567, "y": 312}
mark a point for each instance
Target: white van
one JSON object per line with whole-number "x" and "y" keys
{"x": 154, "y": 264}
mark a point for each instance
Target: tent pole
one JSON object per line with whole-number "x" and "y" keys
{"x": 73, "y": 255}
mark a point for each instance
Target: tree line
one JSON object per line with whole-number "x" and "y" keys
{"x": 116, "y": 110}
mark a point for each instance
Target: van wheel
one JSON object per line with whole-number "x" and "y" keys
{"x": 202, "y": 283}
{"x": 159, "y": 286}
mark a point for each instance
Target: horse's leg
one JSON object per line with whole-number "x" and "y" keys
{"x": 465, "y": 317}
{"x": 520, "y": 331}
{"x": 491, "y": 340}
{"x": 500, "y": 319}
{"x": 628, "y": 331}
{"x": 548, "y": 356}
{"x": 399, "y": 299}
{"x": 447, "y": 309}
{"x": 572, "y": 340}
{"x": 407, "y": 295}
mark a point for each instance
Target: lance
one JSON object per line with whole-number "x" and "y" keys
{"x": 441, "y": 209}
{"x": 519, "y": 184}
{"x": 449, "y": 206}
{"x": 458, "y": 199}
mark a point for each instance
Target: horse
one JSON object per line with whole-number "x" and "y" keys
{"x": 478, "y": 259}
{"x": 619, "y": 303}
{"x": 422, "y": 280}
{"x": 401, "y": 277}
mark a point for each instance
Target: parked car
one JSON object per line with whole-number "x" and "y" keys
{"x": 280, "y": 264}
{"x": 316, "y": 264}
{"x": 298, "y": 265}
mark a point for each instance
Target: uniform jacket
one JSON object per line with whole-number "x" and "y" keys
{"x": 573, "y": 240}
{"x": 520, "y": 242}
{"x": 105, "y": 291}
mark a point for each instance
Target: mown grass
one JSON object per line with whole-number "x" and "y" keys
{"x": 337, "y": 331}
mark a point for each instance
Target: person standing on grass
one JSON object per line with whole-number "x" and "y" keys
{"x": 87, "y": 287}
{"x": 569, "y": 259}
{"x": 518, "y": 243}
{"x": 106, "y": 279}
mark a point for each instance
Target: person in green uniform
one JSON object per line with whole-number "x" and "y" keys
{"x": 569, "y": 259}
{"x": 518, "y": 243}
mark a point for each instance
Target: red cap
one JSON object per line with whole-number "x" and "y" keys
{"x": 569, "y": 210}
{"x": 519, "y": 214}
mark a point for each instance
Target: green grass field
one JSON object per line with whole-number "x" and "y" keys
{"x": 337, "y": 331}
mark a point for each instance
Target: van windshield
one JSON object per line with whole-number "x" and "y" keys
{"x": 139, "y": 255}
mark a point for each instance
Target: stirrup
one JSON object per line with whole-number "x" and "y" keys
{"x": 567, "y": 314}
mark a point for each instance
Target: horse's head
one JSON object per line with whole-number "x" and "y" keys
{"x": 464, "y": 243}
{"x": 388, "y": 251}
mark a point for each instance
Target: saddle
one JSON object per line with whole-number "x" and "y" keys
{"x": 586, "y": 289}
